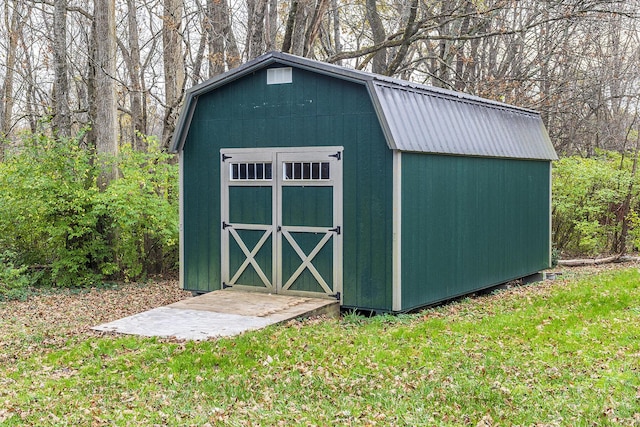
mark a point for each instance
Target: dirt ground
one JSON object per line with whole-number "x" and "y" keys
{"x": 53, "y": 317}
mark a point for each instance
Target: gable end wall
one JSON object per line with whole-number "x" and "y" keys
{"x": 314, "y": 110}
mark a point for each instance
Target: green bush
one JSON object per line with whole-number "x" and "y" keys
{"x": 55, "y": 221}
{"x": 14, "y": 278}
{"x": 588, "y": 203}
{"x": 142, "y": 208}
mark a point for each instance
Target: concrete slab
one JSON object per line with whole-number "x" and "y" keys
{"x": 220, "y": 313}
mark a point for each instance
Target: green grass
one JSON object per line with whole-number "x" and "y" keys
{"x": 566, "y": 353}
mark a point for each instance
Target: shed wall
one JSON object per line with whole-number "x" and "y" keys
{"x": 469, "y": 223}
{"x": 314, "y": 110}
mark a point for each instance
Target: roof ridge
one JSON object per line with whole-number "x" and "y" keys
{"x": 452, "y": 94}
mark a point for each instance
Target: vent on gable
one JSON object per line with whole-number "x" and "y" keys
{"x": 278, "y": 76}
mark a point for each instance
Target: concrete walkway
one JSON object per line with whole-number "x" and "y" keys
{"x": 220, "y": 314}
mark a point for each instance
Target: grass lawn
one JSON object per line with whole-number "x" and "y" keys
{"x": 563, "y": 353}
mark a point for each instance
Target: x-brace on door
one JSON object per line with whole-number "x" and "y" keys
{"x": 282, "y": 220}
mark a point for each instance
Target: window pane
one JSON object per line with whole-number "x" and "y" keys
{"x": 306, "y": 171}
{"x": 250, "y": 171}
{"x": 315, "y": 170}
{"x": 324, "y": 173}
{"x": 297, "y": 171}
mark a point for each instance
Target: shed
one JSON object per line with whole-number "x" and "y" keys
{"x": 305, "y": 178}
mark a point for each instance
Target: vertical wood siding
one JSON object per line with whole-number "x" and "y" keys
{"x": 314, "y": 110}
{"x": 469, "y": 223}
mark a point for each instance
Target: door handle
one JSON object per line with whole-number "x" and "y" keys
{"x": 335, "y": 230}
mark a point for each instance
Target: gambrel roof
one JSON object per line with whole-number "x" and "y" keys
{"x": 413, "y": 117}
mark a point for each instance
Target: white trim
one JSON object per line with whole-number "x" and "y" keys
{"x": 250, "y": 256}
{"x": 307, "y": 261}
{"x": 279, "y": 150}
{"x": 335, "y": 180}
{"x": 338, "y": 205}
{"x": 224, "y": 214}
{"x": 225, "y": 181}
{"x": 397, "y": 232}
{"x": 278, "y": 156}
{"x": 181, "y": 219}
{"x": 278, "y": 76}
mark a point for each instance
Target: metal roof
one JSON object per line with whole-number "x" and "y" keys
{"x": 421, "y": 120}
{"x": 414, "y": 117}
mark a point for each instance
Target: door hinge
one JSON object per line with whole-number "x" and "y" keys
{"x": 336, "y": 296}
{"x": 279, "y": 229}
{"x": 335, "y": 230}
{"x": 225, "y": 157}
{"x": 225, "y": 286}
{"x": 225, "y": 225}
{"x": 338, "y": 155}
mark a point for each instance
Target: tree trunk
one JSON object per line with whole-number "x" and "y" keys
{"x": 216, "y": 17}
{"x": 256, "y": 29}
{"x": 13, "y": 24}
{"x": 314, "y": 26}
{"x": 379, "y": 63}
{"x": 62, "y": 115}
{"x": 29, "y": 92}
{"x": 288, "y": 32}
{"x": 588, "y": 261}
{"x": 135, "y": 89}
{"x": 173, "y": 65}
{"x": 272, "y": 27}
{"x": 461, "y": 61}
{"x": 104, "y": 123}
{"x": 223, "y": 49}
{"x": 410, "y": 29}
{"x": 337, "y": 35}
{"x": 299, "y": 27}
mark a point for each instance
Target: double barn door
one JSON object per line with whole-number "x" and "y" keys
{"x": 282, "y": 220}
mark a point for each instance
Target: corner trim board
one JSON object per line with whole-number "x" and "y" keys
{"x": 397, "y": 232}
{"x": 181, "y": 218}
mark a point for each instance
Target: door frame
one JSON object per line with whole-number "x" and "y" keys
{"x": 277, "y": 156}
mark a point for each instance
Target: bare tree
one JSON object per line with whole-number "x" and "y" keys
{"x": 13, "y": 23}
{"x": 104, "y": 121}
{"x": 271, "y": 25}
{"x": 223, "y": 49}
{"x": 62, "y": 115}
{"x": 573, "y": 60}
{"x": 303, "y": 25}
{"x": 174, "y": 65}
{"x": 379, "y": 62}
{"x": 337, "y": 36}
{"x": 132, "y": 59}
{"x": 255, "y": 43}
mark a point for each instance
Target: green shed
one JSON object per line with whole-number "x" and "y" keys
{"x": 305, "y": 178}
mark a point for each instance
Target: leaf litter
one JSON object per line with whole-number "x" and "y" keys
{"x": 49, "y": 319}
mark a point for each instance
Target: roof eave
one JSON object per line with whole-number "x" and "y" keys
{"x": 382, "y": 117}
